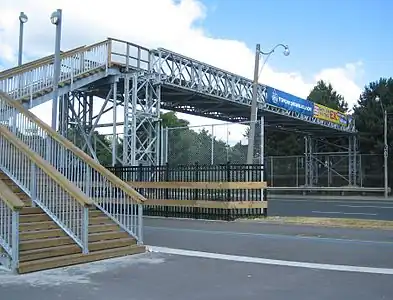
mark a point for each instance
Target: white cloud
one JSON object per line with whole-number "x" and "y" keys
{"x": 153, "y": 23}
{"x": 343, "y": 80}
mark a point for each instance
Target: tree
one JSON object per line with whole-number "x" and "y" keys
{"x": 187, "y": 146}
{"x": 368, "y": 116}
{"x": 171, "y": 120}
{"x": 324, "y": 94}
{"x": 100, "y": 143}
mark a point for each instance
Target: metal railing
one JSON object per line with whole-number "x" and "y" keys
{"x": 45, "y": 187}
{"x": 109, "y": 193}
{"x": 26, "y": 83}
{"x": 129, "y": 55}
{"x": 9, "y": 224}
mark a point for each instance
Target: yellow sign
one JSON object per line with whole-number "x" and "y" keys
{"x": 331, "y": 115}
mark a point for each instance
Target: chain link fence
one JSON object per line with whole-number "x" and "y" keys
{"x": 220, "y": 143}
{"x": 210, "y": 144}
{"x": 329, "y": 170}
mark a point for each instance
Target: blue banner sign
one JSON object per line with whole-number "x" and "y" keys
{"x": 289, "y": 102}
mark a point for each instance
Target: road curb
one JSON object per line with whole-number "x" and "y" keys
{"x": 323, "y": 222}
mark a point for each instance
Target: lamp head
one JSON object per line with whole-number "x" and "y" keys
{"x": 286, "y": 51}
{"x": 23, "y": 18}
{"x": 55, "y": 17}
{"x": 377, "y": 99}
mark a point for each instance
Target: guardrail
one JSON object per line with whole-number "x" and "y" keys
{"x": 129, "y": 55}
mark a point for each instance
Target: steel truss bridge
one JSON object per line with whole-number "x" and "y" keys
{"x": 143, "y": 81}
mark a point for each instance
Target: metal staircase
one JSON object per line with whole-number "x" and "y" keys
{"x": 49, "y": 178}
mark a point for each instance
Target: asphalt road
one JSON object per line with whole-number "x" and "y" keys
{"x": 358, "y": 208}
{"x": 369, "y": 248}
{"x": 194, "y": 259}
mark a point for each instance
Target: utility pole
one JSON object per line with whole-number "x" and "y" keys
{"x": 385, "y": 150}
{"x": 386, "y": 145}
{"x": 254, "y": 108}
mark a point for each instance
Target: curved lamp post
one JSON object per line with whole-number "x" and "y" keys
{"x": 22, "y": 20}
{"x": 386, "y": 145}
{"x": 253, "y": 117}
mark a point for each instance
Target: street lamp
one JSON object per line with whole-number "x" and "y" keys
{"x": 22, "y": 20}
{"x": 253, "y": 117}
{"x": 385, "y": 141}
{"x": 56, "y": 19}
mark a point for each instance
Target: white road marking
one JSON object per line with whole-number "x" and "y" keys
{"x": 257, "y": 260}
{"x": 366, "y": 206}
{"x": 342, "y": 213}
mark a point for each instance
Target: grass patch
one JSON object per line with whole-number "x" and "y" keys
{"x": 328, "y": 222}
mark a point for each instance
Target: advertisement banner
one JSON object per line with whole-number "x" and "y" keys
{"x": 289, "y": 102}
{"x": 329, "y": 114}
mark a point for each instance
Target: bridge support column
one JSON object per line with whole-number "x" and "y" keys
{"x": 141, "y": 119}
{"x": 309, "y": 164}
{"x": 114, "y": 126}
{"x": 64, "y": 114}
{"x": 352, "y": 160}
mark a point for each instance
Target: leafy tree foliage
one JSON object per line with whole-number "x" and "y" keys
{"x": 187, "y": 146}
{"x": 323, "y": 93}
{"x": 369, "y": 119}
{"x": 369, "y": 115}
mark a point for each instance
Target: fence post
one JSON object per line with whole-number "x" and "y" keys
{"x": 271, "y": 170}
{"x": 196, "y": 210}
{"x": 264, "y": 194}
{"x": 228, "y": 179}
{"x": 118, "y": 170}
{"x": 166, "y": 191}
{"x": 166, "y": 178}
{"x": 140, "y": 172}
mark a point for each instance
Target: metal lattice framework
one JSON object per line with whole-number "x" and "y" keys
{"x": 178, "y": 71}
{"x": 143, "y": 81}
{"x": 142, "y": 116}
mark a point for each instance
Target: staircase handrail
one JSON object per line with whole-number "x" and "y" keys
{"x": 38, "y": 62}
{"x": 64, "y": 202}
{"x": 9, "y": 197}
{"x": 9, "y": 223}
{"x": 27, "y": 82}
